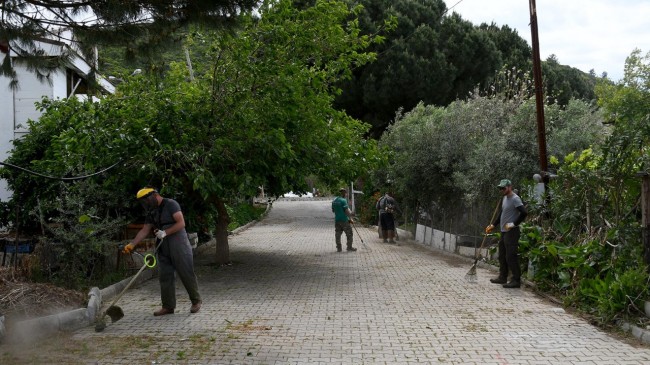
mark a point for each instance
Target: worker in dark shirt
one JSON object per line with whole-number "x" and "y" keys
{"x": 165, "y": 219}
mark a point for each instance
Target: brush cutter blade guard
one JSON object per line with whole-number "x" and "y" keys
{"x": 116, "y": 313}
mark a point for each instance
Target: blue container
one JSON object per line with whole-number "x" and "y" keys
{"x": 22, "y": 248}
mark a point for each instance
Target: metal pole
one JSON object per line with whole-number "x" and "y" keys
{"x": 539, "y": 94}
{"x": 645, "y": 215}
{"x": 354, "y": 210}
{"x": 189, "y": 63}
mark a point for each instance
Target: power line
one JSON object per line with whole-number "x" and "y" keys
{"x": 56, "y": 177}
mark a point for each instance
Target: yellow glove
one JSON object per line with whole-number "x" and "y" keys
{"x": 128, "y": 248}
{"x": 351, "y": 221}
{"x": 509, "y": 226}
{"x": 489, "y": 229}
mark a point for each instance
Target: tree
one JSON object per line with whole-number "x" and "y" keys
{"x": 515, "y": 51}
{"x": 261, "y": 116}
{"x": 563, "y": 83}
{"x": 627, "y": 104}
{"x": 140, "y": 26}
{"x": 431, "y": 57}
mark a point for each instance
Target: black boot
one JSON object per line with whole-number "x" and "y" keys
{"x": 512, "y": 284}
{"x": 498, "y": 280}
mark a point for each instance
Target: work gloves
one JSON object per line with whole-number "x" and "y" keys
{"x": 160, "y": 234}
{"x": 128, "y": 248}
{"x": 351, "y": 221}
{"x": 507, "y": 227}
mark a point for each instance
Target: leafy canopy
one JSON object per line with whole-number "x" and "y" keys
{"x": 260, "y": 115}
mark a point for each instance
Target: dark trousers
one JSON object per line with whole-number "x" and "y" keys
{"x": 180, "y": 262}
{"x": 509, "y": 255}
{"x": 387, "y": 221}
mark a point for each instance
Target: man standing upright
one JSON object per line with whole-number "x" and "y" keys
{"x": 342, "y": 220}
{"x": 513, "y": 212}
{"x": 387, "y": 206}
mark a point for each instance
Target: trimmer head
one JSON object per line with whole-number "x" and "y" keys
{"x": 100, "y": 325}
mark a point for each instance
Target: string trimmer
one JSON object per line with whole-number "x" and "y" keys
{"x": 471, "y": 274}
{"x": 116, "y": 313}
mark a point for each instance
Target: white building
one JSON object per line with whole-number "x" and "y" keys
{"x": 17, "y": 104}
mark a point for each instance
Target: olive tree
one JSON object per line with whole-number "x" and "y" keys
{"x": 456, "y": 154}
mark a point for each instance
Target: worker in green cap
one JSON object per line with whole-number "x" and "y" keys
{"x": 511, "y": 215}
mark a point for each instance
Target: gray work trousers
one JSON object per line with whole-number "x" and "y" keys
{"x": 177, "y": 258}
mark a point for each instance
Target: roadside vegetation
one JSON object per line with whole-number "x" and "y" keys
{"x": 304, "y": 94}
{"x": 584, "y": 238}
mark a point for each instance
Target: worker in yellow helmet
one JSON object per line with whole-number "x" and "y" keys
{"x": 165, "y": 219}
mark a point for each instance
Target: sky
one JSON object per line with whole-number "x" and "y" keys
{"x": 585, "y": 34}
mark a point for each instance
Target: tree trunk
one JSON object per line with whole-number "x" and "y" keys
{"x": 221, "y": 236}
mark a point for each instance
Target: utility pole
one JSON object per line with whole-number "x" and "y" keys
{"x": 645, "y": 214}
{"x": 539, "y": 95}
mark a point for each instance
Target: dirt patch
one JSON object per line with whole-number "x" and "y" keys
{"x": 21, "y": 299}
{"x": 246, "y": 327}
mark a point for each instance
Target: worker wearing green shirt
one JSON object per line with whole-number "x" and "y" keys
{"x": 342, "y": 220}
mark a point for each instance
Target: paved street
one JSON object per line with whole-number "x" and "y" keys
{"x": 290, "y": 298}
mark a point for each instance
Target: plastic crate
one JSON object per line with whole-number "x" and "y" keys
{"x": 22, "y": 248}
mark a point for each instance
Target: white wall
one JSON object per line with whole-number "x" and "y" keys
{"x": 6, "y": 113}
{"x": 6, "y": 125}
{"x": 17, "y": 106}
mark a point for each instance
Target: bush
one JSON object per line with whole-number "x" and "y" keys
{"x": 243, "y": 213}
{"x": 78, "y": 238}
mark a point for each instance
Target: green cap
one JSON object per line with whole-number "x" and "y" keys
{"x": 503, "y": 183}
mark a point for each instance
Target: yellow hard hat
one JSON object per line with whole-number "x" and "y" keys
{"x": 145, "y": 192}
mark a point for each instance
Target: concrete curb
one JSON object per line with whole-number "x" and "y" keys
{"x": 640, "y": 333}
{"x": 33, "y": 329}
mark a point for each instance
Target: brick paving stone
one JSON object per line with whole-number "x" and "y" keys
{"x": 289, "y": 298}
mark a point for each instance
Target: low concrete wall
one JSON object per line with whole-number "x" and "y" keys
{"x": 435, "y": 238}
{"x": 445, "y": 241}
